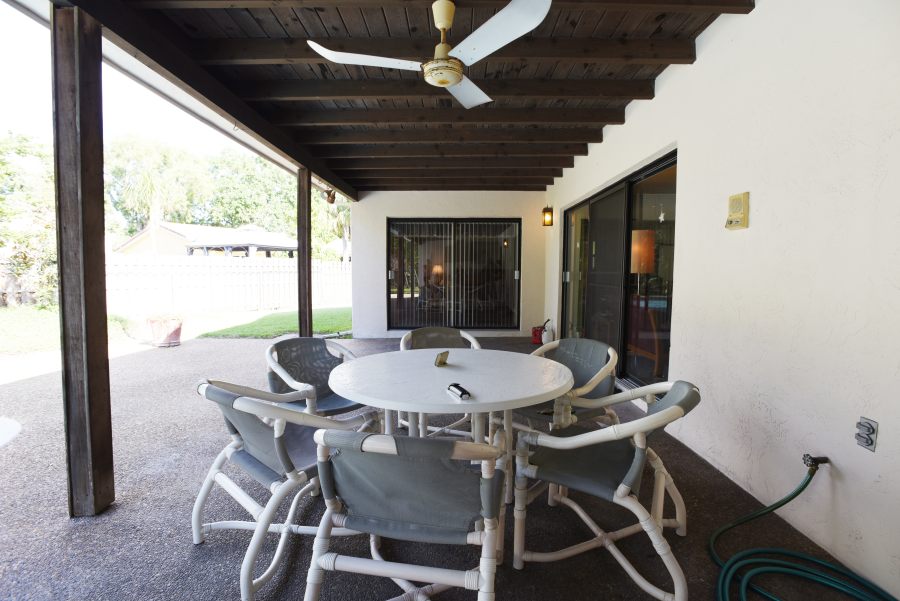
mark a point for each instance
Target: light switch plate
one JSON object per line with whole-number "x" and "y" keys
{"x": 738, "y": 211}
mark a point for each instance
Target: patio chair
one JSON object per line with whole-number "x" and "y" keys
{"x": 411, "y": 489}
{"x": 608, "y": 464}
{"x": 436, "y": 338}
{"x": 593, "y": 366}
{"x": 281, "y": 457}
{"x": 303, "y": 365}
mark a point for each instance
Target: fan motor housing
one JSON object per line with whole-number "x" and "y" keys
{"x": 443, "y": 72}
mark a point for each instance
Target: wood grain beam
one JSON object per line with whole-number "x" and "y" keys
{"x": 593, "y": 117}
{"x": 579, "y": 50}
{"x": 304, "y": 252}
{"x": 441, "y": 135}
{"x": 349, "y": 151}
{"x": 521, "y": 174}
{"x": 411, "y": 89}
{"x": 472, "y": 181}
{"x": 165, "y": 51}
{"x": 425, "y": 187}
{"x": 453, "y": 163}
{"x": 681, "y": 6}
{"x": 78, "y": 169}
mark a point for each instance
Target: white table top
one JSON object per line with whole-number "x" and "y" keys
{"x": 409, "y": 380}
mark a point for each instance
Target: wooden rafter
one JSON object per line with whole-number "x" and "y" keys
{"x": 442, "y": 187}
{"x": 434, "y": 135}
{"x": 451, "y": 163}
{"x": 450, "y": 150}
{"x": 374, "y": 89}
{"x": 577, "y": 50}
{"x": 500, "y": 173}
{"x": 593, "y": 117}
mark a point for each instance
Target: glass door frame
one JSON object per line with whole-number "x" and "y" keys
{"x": 628, "y": 182}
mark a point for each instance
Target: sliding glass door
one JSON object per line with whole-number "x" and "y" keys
{"x": 618, "y": 270}
{"x": 453, "y": 272}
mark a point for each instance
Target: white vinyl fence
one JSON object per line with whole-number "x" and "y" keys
{"x": 140, "y": 285}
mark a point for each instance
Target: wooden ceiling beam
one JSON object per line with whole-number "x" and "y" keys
{"x": 447, "y": 116}
{"x": 164, "y": 51}
{"x": 452, "y": 163}
{"x": 442, "y": 135}
{"x": 456, "y": 187}
{"x": 510, "y": 173}
{"x": 681, "y": 6}
{"x": 472, "y": 181}
{"x": 412, "y": 89}
{"x": 577, "y": 50}
{"x": 349, "y": 151}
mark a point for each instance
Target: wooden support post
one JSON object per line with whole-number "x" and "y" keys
{"x": 78, "y": 166}
{"x": 304, "y": 251}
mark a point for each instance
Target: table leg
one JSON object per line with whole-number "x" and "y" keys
{"x": 412, "y": 421}
{"x": 390, "y": 421}
{"x": 423, "y": 425}
{"x": 478, "y": 427}
{"x": 510, "y": 454}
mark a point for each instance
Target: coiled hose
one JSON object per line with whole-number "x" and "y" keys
{"x": 765, "y": 560}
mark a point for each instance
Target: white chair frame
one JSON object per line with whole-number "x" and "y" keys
{"x": 267, "y": 406}
{"x": 652, "y": 522}
{"x": 489, "y": 537}
{"x": 305, "y": 391}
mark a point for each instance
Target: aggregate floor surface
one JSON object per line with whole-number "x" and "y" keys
{"x": 165, "y": 438}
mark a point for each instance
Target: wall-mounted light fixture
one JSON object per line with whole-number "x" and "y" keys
{"x": 330, "y": 197}
{"x": 547, "y": 215}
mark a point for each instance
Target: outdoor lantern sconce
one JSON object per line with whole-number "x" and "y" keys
{"x": 437, "y": 275}
{"x": 547, "y": 214}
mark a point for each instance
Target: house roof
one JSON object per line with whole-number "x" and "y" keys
{"x": 209, "y": 236}
{"x": 362, "y": 128}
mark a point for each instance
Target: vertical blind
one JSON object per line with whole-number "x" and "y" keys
{"x": 460, "y": 273}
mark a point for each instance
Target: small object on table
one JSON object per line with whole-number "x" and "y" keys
{"x": 441, "y": 359}
{"x": 457, "y": 391}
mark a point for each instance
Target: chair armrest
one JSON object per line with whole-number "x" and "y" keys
{"x": 270, "y": 405}
{"x": 405, "y": 341}
{"x": 272, "y": 397}
{"x": 473, "y": 342}
{"x": 384, "y": 444}
{"x": 342, "y": 350}
{"x": 628, "y": 395}
{"x": 606, "y": 371}
{"x": 307, "y": 391}
{"x": 539, "y": 352}
{"x": 608, "y": 434}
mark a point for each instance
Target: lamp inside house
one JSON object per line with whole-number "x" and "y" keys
{"x": 437, "y": 275}
{"x": 547, "y": 215}
{"x": 643, "y": 253}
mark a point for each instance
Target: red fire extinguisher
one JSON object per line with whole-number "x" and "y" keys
{"x": 537, "y": 332}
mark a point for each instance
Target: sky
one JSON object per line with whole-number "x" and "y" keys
{"x": 26, "y": 104}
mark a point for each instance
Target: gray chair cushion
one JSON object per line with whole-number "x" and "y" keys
{"x": 596, "y": 470}
{"x": 434, "y": 337}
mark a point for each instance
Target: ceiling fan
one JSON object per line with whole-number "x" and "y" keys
{"x": 445, "y": 70}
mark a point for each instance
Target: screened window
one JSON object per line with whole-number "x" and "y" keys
{"x": 460, "y": 273}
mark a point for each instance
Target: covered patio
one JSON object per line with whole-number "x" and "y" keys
{"x": 773, "y": 128}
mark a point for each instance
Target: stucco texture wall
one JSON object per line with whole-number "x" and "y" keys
{"x": 791, "y": 328}
{"x": 369, "y": 222}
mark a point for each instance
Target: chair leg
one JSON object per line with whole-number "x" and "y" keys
{"x": 316, "y": 574}
{"x": 508, "y": 431}
{"x": 660, "y": 544}
{"x": 205, "y": 489}
{"x": 519, "y": 522}
{"x": 487, "y": 567}
{"x": 248, "y": 585}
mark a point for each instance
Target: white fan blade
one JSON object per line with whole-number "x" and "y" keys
{"x": 468, "y": 94}
{"x": 364, "y": 60}
{"x": 512, "y": 22}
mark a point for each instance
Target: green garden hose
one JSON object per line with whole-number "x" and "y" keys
{"x": 767, "y": 560}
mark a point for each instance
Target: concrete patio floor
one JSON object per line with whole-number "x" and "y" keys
{"x": 165, "y": 438}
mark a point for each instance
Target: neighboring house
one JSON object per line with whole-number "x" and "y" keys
{"x": 167, "y": 238}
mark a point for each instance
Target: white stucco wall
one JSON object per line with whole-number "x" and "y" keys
{"x": 791, "y": 328}
{"x": 369, "y": 222}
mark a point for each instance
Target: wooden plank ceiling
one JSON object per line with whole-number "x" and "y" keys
{"x": 364, "y": 128}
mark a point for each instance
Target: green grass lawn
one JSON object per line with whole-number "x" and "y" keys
{"x": 27, "y": 329}
{"x": 325, "y": 321}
